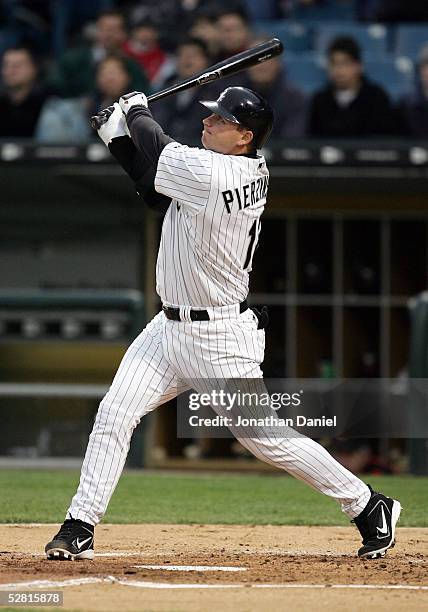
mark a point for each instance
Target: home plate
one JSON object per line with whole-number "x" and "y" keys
{"x": 193, "y": 568}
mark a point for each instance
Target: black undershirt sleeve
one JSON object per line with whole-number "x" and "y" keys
{"x": 139, "y": 156}
{"x": 147, "y": 135}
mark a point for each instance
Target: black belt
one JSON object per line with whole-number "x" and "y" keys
{"x": 196, "y": 315}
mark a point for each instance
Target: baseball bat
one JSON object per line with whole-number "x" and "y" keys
{"x": 236, "y": 63}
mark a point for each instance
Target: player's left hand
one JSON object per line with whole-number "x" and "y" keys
{"x": 135, "y": 98}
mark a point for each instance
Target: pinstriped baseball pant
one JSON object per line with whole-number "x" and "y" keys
{"x": 156, "y": 368}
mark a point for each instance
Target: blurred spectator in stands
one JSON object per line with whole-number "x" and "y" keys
{"x": 66, "y": 121}
{"x": 234, "y": 33}
{"x": 70, "y": 16}
{"x": 74, "y": 74}
{"x": 113, "y": 79}
{"x": 350, "y": 105}
{"x": 174, "y": 17}
{"x": 143, "y": 46}
{"x": 289, "y": 103}
{"x": 204, "y": 27}
{"x": 414, "y": 107}
{"x": 161, "y": 12}
{"x": 22, "y": 98}
{"x": 181, "y": 115}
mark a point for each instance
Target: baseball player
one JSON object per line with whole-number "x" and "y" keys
{"x": 205, "y": 330}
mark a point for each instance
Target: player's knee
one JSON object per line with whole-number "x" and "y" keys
{"x": 115, "y": 419}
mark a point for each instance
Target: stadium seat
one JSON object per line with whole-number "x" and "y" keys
{"x": 296, "y": 37}
{"x": 307, "y": 72}
{"x": 337, "y": 10}
{"x": 395, "y": 75}
{"x": 373, "y": 39}
{"x": 410, "y": 39}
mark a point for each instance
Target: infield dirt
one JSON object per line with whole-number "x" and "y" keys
{"x": 275, "y": 558}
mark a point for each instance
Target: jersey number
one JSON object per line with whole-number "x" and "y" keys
{"x": 253, "y": 233}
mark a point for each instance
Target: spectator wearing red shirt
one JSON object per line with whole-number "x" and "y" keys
{"x": 144, "y": 48}
{"x": 73, "y": 75}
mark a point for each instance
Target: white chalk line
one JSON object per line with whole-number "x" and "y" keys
{"x": 193, "y": 568}
{"x": 166, "y": 585}
{"x": 46, "y": 584}
{"x": 43, "y": 584}
{"x": 411, "y": 587}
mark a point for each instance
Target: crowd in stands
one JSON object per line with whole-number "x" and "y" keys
{"x": 62, "y": 61}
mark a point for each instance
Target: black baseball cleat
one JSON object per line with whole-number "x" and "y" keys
{"x": 376, "y": 523}
{"x": 75, "y": 540}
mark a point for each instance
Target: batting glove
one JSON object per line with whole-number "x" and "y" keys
{"x": 135, "y": 98}
{"x": 114, "y": 124}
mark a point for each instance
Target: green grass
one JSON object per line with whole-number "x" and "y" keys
{"x": 43, "y": 496}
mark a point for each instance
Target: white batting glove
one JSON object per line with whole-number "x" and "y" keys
{"x": 115, "y": 125}
{"x": 135, "y": 98}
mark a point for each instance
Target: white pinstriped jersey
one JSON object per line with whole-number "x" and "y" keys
{"x": 212, "y": 226}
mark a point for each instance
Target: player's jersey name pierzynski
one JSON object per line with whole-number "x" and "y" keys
{"x": 247, "y": 195}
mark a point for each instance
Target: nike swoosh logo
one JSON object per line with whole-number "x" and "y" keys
{"x": 383, "y": 530}
{"x": 80, "y": 544}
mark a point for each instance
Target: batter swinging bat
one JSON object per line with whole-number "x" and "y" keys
{"x": 241, "y": 61}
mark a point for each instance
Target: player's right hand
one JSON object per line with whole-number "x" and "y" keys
{"x": 112, "y": 123}
{"x": 135, "y": 98}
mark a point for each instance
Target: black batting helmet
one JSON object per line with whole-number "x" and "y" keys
{"x": 246, "y": 107}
